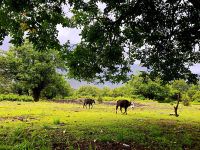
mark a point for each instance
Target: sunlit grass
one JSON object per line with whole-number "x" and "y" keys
{"x": 20, "y": 122}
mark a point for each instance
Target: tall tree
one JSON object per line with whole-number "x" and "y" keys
{"x": 32, "y": 69}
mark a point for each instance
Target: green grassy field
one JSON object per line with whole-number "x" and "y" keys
{"x": 49, "y": 125}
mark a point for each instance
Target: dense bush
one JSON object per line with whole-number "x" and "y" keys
{"x": 185, "y": 99}
{"x": 87, "y": 91}
{"x": 15, "y": 97}
{"x": 119, "y": 91}
{"x": 196, "y": 97}
{"x": 154, "y": 90}
{"x": 5, "y": 85}
{"x": 59, "y": 89}
{"x": 148, "y": 88}
{"x": 100, "y": 100}
{"x": 115, "y": 98}
{"x": 106, "y": 91}
{"x": 139, "y": 88}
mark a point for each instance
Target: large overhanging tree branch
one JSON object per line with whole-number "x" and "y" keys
{"x": 163, "y": 35}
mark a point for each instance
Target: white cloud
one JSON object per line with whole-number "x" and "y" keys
{"x": 195, "y": 69}
{"x": 70, "y": 34}
{"x": 66, "y": 10}
{"x": 101, "y": 6}
{"x": 5, "y": 46}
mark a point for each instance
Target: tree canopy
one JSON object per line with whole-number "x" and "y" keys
{"x": 163, "y": 34}
{"x": 35, "y": 20}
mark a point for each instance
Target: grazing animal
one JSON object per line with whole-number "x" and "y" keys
{"x": 89, "y": 102}
{"x": 123, "y": 104}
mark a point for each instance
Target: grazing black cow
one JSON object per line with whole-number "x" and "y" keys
{"x": 89, "y": 102}
{"x": 123, "y": 104}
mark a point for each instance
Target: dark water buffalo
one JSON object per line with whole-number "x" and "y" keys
{"x": 123, "y": 104}
{"x": 89, "y": 102}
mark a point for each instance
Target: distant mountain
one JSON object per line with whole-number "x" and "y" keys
{"x": 136, "y": 68}
{"x": 76, "y": 84}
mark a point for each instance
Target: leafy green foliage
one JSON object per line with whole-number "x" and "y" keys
{"x": 113, "y": 37}
{"x": 187, "y": 90}
{"x": 140, "y": 87}
{"x": 88, "y": 91}
{"x": 5, "y": 85}
{"x": 193, "y": 90}
{"x": 163, "y": 35}
{"x": 15, "y": 97}
{"x": 106, "y": 91}
{"x": 59, "y": 88}
{"x": 35, "y": 19}
{"x": 119, "y": 92}
{"x": 34, "y": 71}
{"x": 116, "y": 98}
{"x": 148, "y": 88}
{"x": 196, "y": 96}
{"x": 180, "y": 86}
{"x": 185, "y": 99}
{"x": 20, "y": 88}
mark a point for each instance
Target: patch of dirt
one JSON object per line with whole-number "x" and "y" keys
{"x": 68, "y": 101}
{"x": 3, "y": 118}
{"x": 97, "y": 145}
{"x": 18, "y": 118}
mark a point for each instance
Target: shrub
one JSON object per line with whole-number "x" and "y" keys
{"x": 168, "y": 100}
{"x": 192, "y": 91}
{"x": 196, "y": 96}
{"x": 153, "y": 90}
{"x": 185, "y": 100}
{"x": 15, "y": 97}
{"x": 115, "y": 98}
{"x": 87, "y": 90}
{"x": 100, "y": 100}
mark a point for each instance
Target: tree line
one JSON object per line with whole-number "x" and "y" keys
{"x": 26, "y": 71}
{"x": 140, "y": 88}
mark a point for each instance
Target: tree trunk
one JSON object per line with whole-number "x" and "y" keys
{"x": 36, "y": 94}
{"x": 176, "y": 107}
